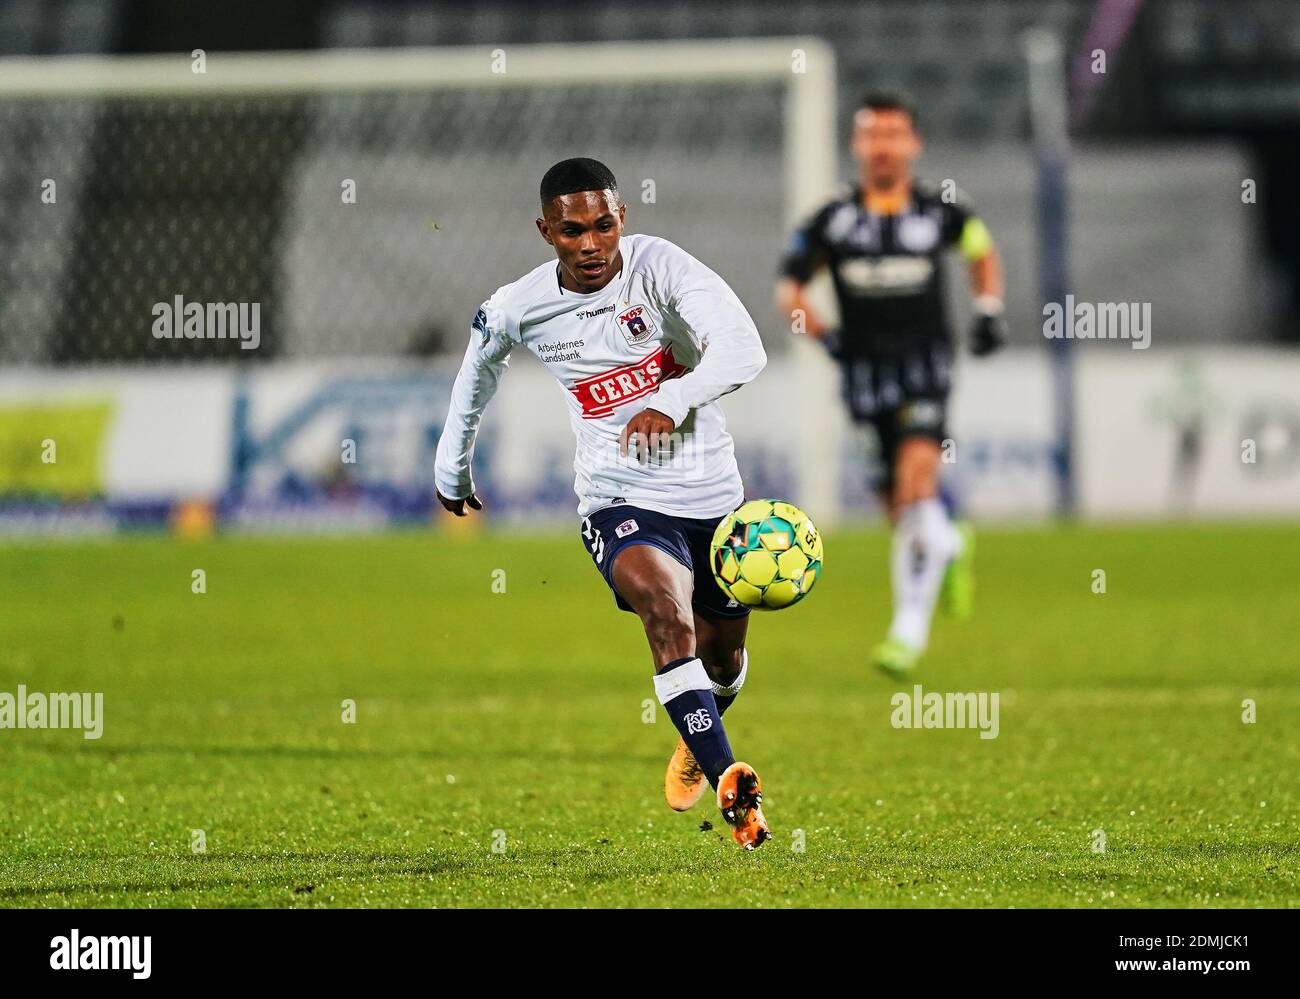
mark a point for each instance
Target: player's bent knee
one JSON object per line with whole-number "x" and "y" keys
{"x": 665, "y": 612}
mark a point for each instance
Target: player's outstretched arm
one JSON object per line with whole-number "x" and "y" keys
{"x": 486, "y": 360}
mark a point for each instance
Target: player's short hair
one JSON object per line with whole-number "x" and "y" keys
{"x": 891, "y": 100}
{"x": 577, "y": 174}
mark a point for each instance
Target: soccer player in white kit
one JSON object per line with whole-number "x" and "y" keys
{"x": 644, "y": 339}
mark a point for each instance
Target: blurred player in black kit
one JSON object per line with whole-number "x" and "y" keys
{"x": 883, "y": 240}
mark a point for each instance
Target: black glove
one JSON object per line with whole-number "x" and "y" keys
{"x": 987, "y": 334}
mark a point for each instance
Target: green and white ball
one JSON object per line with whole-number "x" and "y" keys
{"x": 767, "y": 555}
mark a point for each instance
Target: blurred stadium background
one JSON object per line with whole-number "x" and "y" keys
{"x": 212, "y": 186}
{"x": 127, "y": 179}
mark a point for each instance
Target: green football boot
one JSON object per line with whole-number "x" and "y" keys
{"x": 895, "y": 658}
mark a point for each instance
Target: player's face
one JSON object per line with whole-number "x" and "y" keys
{"x": 584, "y": 228}
{"x": 885, "y": 143}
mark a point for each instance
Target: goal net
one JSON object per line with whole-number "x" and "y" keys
{"x": 367, "y": 201}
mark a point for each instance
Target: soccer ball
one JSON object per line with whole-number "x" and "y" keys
{"x": 767, "y": 554}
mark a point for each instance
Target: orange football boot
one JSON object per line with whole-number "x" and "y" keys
{"x": 684, "y": 781}
{"x": 740, "y": 795}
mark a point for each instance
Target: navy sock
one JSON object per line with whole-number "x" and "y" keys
{"x": 686, "y": 693}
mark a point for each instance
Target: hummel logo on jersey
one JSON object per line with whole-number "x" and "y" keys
{"x": 600, "y": 394}
{"x": 625, "y": 528}
{"x": 588, "y": 313}
{"x": 699, "y": 721}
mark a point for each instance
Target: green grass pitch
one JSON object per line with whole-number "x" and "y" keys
{"x": 499, "y": 756}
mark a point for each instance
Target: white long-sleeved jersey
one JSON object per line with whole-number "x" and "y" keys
{"x": 666, "y": 334}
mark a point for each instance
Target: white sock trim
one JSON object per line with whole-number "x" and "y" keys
{"x": 739, "y": 682}
{"x": 687, "y": 676}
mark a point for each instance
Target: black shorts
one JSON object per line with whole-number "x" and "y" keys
{"x": 609, "y": 530}
{"x": 899, "y": 397}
